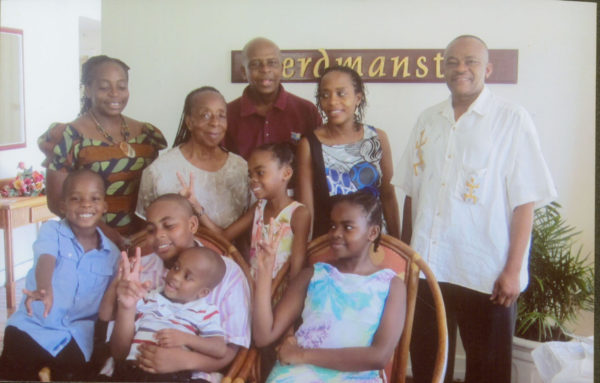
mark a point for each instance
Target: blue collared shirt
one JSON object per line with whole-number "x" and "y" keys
{"x": 78, "y": 282}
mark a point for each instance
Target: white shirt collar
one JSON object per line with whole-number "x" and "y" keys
{"x": 481, "y": 105}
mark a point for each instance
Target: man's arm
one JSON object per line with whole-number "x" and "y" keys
{"x": 506, "y": 288}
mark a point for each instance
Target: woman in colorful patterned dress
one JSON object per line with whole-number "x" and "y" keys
{"x": 352, "y": 311}
{"x": 104, "y": 140}
{"x": 344, "y": 155}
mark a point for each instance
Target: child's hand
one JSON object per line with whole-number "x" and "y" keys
{"x": 267, "y": 249}
{"x": 44, "y": 295}
{"x": 187, "y": 192}
{"x": 289, "y": 352}
{"x": 129, "y": 287}
{"x": 171, "y": 338}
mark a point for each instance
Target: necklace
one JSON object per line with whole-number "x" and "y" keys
{"x": 127, "y": 149}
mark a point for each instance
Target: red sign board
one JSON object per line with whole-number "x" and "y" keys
{"x": 380, "y": 65}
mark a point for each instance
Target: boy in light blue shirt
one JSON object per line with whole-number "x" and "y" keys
{"x": 73, "y": 264}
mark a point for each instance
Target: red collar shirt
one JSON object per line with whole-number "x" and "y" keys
{"x": 290, "y": 118}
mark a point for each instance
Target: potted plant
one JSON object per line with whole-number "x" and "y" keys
{"x": 560, "y": 285}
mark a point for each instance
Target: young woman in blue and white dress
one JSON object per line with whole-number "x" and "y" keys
{"x": 344, "y": 155}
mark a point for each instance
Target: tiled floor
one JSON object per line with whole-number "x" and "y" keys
{"x": 3, "y": 316}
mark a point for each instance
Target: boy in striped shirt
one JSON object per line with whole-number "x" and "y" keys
{"x": 175, "y": 316}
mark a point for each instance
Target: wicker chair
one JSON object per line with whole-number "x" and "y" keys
{"x": 250, "y": 371}
{"x": 400, "y": 257}
{"x": 222, "y": 246}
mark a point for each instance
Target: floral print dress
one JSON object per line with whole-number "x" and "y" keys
{"x": 341, "y": 310}
{"x": 283, "y": 221}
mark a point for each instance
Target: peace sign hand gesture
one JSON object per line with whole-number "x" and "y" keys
{"x": 129, "y": 287}
{"x": 187, "y": 192}
{"x": 267, "y": 249}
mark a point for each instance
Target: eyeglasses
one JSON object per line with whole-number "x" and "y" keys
{"x": 258, "y": 64}
{"x": 208, "y": 116}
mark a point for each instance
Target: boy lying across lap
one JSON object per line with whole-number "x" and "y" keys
{"x": 176, "y": 315}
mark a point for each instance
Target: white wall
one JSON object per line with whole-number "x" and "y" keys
{"x": 175, "y": 46}
{"x": 51, "y": 60}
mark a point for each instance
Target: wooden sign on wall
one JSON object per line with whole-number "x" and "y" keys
{"x": 380, "y": 65}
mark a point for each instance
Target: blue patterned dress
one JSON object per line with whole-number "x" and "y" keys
{"x": 354, "y": 166}
{"x": 341, "y": 310}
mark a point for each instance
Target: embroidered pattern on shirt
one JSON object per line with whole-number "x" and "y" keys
{"x": 419, "y": 144}
{"x": 471, "y": 187}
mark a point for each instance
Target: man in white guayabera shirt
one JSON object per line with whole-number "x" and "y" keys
{"x": 472, "y": 172}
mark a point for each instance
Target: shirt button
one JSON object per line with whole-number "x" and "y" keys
{"x": 443, "y": 184}
{"x": 438, "y": 213}
{"x": 449, "y": 156}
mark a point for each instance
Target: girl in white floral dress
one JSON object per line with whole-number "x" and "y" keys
{"x": 269, "y": 170}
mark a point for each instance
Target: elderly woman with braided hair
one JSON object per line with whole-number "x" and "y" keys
{"x": 198, "y": 166}
{"x": 102, "y": 139}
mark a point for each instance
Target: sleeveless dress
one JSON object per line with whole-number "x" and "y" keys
{"x": 66, "y": 148}
{"x": 354, "y": 166}
{"x": 281, "y": 222}
{"x": 341, "y": 310}
{"x": 343, "y": 169}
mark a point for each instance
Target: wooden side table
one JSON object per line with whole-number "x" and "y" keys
{"x": 15, "y": 212}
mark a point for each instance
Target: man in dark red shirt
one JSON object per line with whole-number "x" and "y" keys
{"x": 266, "y": 113}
